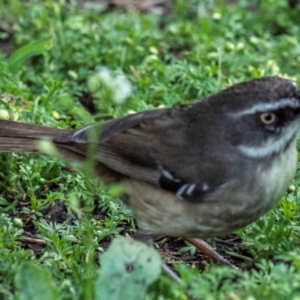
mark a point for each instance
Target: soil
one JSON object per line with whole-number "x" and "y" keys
{"x": 230, "y": 247}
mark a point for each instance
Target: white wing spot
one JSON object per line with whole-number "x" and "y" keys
{"x": 190, "y": 189}
{"x": 205, "y": 187}
{"x": 182, "y": 190}
{"x": 169, "y": 176}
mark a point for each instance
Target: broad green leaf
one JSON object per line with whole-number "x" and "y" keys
{"x": 127, "y": 269}
{"x": 35, "y": 283}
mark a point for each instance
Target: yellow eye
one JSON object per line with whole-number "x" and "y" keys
{"x": 268, "y": 118}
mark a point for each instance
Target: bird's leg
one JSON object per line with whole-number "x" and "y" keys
{"x": 170, "y": 272}
{"x": 198, "y": 243}
{"x": 149, "y": 240}
{"x": 209, "y": 252}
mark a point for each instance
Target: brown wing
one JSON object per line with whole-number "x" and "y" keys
{"x": 128, "y": 145}
{"x": 153, "y": 146}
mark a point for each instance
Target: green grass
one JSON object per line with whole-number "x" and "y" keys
{"x": 59, "y": 50}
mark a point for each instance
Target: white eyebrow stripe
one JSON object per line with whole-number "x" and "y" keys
{"x": 291, "y": 102}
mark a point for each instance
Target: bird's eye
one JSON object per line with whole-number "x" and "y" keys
{"x": 268, "y": 118}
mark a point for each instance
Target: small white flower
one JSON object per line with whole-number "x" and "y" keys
{"x": 118, "y": 84}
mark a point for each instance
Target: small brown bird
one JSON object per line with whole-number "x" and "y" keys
{"x": 199, "y": 170}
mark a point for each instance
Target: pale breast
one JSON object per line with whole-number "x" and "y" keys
{"x": 229, "y": 208}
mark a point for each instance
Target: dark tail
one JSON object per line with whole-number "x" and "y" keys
{"x": 22, "y": 137}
